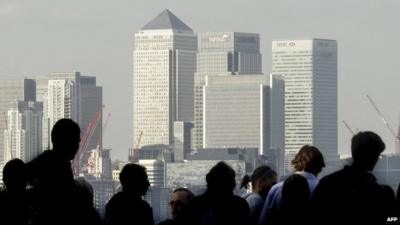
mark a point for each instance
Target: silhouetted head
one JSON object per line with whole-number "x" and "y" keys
{"x": 262, "y": 179}
{"x": 366, "y": 147}
{"x": 309, "y": 159}
{"x": 221, "y": 179}
{"x": 295, "y": 192}
{"x": 65, "y": 137}
{"x": 15, "y": 176}
{"x": 180, "y": 197}
{"x": 133, "y": 178}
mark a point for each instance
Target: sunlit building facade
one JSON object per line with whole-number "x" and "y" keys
{"x": 309, "y": 68}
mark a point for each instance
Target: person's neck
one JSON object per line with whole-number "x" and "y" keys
{"x": 133, "y": 194}
{"x": 313, "y": 173}
{"x": 358, "y": 166}
{"x": 256, "y": 190}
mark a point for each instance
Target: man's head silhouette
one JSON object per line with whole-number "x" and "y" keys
{"x": 221, "y": 179}
{"x": 366, "y": 147}
{"x": 15, "y": 176}
{"x": 133, "y": 178}
{"x": 65, "y": 137}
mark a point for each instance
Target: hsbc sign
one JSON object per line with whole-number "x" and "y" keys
{"x": 286, "y": 44}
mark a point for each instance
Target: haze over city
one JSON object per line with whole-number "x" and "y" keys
{"x": 96, "y": 38}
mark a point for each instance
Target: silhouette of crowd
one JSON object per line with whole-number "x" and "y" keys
{"x": 44, "y": 191}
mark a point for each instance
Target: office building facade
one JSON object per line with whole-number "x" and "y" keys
{"x": 237, "y": 111}
{"x": 70, "y": 95}
{"x": 164, "y": 60}
{"x": 22, "y": 138}
{"x": 222, "y": 53}
{"x": 12, "y": 91}
{"x": 309, "y": 68}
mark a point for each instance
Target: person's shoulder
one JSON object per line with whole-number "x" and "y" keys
{"x": 115, "y": 198}
{"x": 238, "y": 200}
{"x": 43, "y": 156}
{"x": 144, "y": 204}
{"x": 335, "y": 176}
{"x": 250, "y": 197}
{"x": 199, "y": 198}
{"x": 40, "y": 161}
{"x": 276, "y": 188}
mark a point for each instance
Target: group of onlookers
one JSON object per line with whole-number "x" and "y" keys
{"x": 44, "y": 191}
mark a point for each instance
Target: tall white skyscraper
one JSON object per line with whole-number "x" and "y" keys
{"x": 164, "y": 62}
{"x": 12, "y": 91}
{"x": 62, "y": 100}
{"x": 70, "y": 95}
{"x": 22, "y": 138}
{"x": 222, "y": 53}
{"x": 309, "y": 68}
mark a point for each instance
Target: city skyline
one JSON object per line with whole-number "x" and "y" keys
{"x": 364, "y": 60}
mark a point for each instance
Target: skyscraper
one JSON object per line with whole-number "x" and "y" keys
{"x": 222, "y": 53}
{"x": 237, "y": 111}
{"x": 60, "y": 94}
{"x": 182, "y": 140}
{"x": 309, "y": 68}
{"x": 91, "y": 99}
{"x": 70, "y": 95}
{"x": 164, "y": 62}
{"x": 23, "y": 136}
{"x": 63, "y": 100}
{"x": 12, "y": 91}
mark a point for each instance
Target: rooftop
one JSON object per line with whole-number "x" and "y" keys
{"x": 166, "y": 20}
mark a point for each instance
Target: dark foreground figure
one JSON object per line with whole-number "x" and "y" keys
{"x": 127, "y": 206}
{"x": 57, "y": 199}
{"x": 218, "y": 205}
{"x": 352, "y": 195}
{"x": 15, "y": 200}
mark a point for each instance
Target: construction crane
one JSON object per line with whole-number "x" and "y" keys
{"x": 85, "y": 140}
{"x": 348, "y": 127}
{"x": 396, "y": 136}
{"x": 90, "y": 163}
{"x": 134, "y": 155}
{"x": 100, "y": 141}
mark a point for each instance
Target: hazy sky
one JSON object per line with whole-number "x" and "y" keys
{"x": 96, "y": 38}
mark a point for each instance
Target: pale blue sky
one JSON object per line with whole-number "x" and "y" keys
{"x": 96, "y": 38}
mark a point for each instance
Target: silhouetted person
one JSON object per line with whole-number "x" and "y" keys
{"x": 51, "y": 176}
{"x": 352, "y": 195}
{"x": 262, "y": 179}
{"x": 87, "y": 213}
{"x": 15, "y": 207}
{"x": 180, "y": 197}
{"x": 295, "y": 202}
{"x": 218, "y": 205}
{"x": 127, "y": 206}
{"x": 308, "y": 163}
